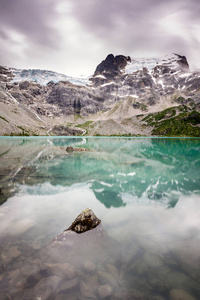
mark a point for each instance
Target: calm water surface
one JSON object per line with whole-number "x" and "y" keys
{"x": 146, "y": 193}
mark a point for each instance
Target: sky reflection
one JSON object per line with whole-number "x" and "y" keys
{"x": 146, "y": 193}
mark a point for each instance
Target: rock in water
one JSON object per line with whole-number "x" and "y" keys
{"x": 87, "y": 220}
{"x": 71, "y": 246}
{"x": 72, "y": 149}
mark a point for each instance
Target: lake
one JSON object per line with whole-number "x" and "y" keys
{"x": 146, "y": 191}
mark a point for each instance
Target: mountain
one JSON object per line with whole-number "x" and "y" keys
{"x": 124, "y": 96}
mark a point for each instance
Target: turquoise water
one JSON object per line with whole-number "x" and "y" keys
{"x": 146, "y": 191}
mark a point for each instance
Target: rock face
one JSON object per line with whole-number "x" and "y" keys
{"x": 182, "y": 60}
{"x": 65, "y": 131}
{"x": 110, "y": 68}
{"x": 87, "y": 220}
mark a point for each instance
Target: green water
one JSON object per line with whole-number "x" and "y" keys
{"x": 146, "y": 191}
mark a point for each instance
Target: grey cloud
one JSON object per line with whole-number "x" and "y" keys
{"x": 134, "y": 25}
{"x": 96, "y": 28}
{"x": 30, "y": 18}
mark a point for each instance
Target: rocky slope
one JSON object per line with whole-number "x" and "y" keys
{"x": 123, "y": 97}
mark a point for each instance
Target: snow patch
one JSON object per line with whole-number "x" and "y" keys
{"x": 44, "y": 76}
{"x": 100, "y": 76}
{"x": 184, "y": 75}
{"x": 106, "y": 184}
{"x": 161, "y": 83}
{"x": 109, "y": 83}
{"x": 127, "y": 95}
{"x": 140, "y": 63}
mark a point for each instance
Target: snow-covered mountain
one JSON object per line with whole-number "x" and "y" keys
{"x": 148, "y": 80}
{"x": 150, "y": 63}
{"x": 116, "y": 99}
{"x": 44, "y": 76}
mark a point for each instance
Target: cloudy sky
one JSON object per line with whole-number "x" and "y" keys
{"x": 74, "y": 36}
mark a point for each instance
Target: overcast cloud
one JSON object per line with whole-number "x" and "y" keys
{"x": 73, "y": 36}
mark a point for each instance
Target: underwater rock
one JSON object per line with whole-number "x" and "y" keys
{"x": 126, "y": 294}
{"x": 89, "y": 286}
{"x": 156, "y": 297}
{"x": 105, "y": 291}
{"x": 86, "y": 290}
{"x": 141, "y": 267}
{"x": 68, "y": 285}
{"x": 105, "y": 277}
{"x": 89, "y": 266}
{"x": 180, "y": 280}
{"x": 26, "y": 248}
{"x": 153, "y": 260}
{"x": 13, "y": 277}
{"x": 158, "y": 283}
{"x": 130, "y": 253}
{"x": 113, "y": 271}
{"x": 8, "y": 255}
{"x": 178, "y": 294}
{"x": 46, "y": 287}
{"x": 87, "y": 220}
{"x": 71, "y": 296}
{"x": 25, "y": 269}
{"x": 64, "y": 270}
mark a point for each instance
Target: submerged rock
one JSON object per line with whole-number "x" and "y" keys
{"x": 105, "y": 278}
{"x": 87, "y": 220}
{"x": 9, "y": 255}
{"x": 64, "y": 270}
{"x": 105, "y": 291}
{"x": 178, "y": 294}
{"x": 87, "y": 291}
{"x": 46, "y": 287}
{"x": 89, "y": 266}
{"x": 68, "y": 285}
{"x": 153, "y": 260}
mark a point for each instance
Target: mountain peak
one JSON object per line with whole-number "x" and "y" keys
{"x": 111, "y": 67}
{"x": 182, "y": 60}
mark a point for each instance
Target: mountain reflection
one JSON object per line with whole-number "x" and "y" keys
{"x": 117, "y": 170}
